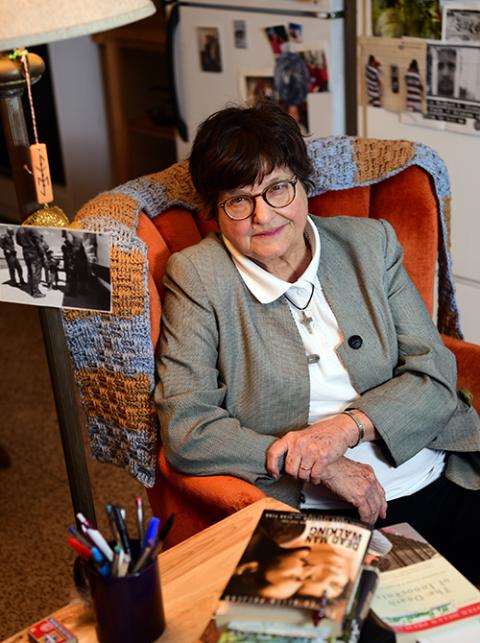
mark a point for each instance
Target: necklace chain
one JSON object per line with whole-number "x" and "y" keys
{"x": 306, "y": 305}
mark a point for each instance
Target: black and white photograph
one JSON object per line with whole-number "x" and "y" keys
{"x": 209, "y": 49}
{"x": 454, "y": 72}
{"x": 443, "y": 69}
{"x": 453, "y": 82}
{"x": 240, "y": 34}
{"x": 55, "y": 267}
{"x": 461, "y": 23}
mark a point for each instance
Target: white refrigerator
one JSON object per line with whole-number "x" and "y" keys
{"x": 246, "y": 58}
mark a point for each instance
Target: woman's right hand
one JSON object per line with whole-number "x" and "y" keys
{"x": 357, "y": 484}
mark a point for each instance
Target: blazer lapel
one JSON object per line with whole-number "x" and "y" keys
{"x": 347, "y": 291}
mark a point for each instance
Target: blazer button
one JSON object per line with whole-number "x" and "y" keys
{"x": 355, "y": 341}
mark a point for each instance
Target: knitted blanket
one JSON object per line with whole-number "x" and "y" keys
{"x": 112, "y": 354}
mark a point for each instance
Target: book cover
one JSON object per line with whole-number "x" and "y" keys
{"x": 420, "y": 592}
{"x": 297, "y": 569}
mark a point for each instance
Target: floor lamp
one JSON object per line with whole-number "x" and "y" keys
{"x": 25, "y": 23}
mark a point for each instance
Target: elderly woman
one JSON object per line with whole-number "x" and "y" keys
{"x": 297, "y": 354}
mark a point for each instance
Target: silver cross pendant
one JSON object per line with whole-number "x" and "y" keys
{"x": 307, "y": 322}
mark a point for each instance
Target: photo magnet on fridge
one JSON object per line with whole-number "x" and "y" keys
{"x": 295, "y": 32}
{"x": 209, "y": 52}
{"x": 240, "y": 34}
{"x": 277, "y": 37}
{"x": 461, "y": 23}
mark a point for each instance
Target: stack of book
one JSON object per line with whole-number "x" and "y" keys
{"x": 300, "y": 578}
{"x": 309, "y": 578}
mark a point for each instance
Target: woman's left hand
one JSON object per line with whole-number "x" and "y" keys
{"x": 356, "y": 483}
{"x": 309, "y": 451}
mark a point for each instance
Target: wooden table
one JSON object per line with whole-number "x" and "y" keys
{"x": 193, "y": 575}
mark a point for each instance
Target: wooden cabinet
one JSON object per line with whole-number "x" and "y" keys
{"x": 138, "y": 98}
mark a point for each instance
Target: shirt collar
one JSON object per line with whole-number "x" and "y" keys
{"x": 263, "y": 285}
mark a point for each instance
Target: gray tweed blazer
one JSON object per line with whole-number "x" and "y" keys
{"x": 233, "y": 374}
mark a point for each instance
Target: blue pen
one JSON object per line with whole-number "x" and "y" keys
{"x": 102, "y": 566}
{"x": 152, "y": 530}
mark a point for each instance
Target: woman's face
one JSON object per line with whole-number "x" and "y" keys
{"x": 271, "y": 237}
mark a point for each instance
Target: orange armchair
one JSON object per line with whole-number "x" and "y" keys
{"x": 151, "y": 217}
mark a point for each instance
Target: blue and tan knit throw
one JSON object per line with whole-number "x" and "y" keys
{"x": 112, "y": 354}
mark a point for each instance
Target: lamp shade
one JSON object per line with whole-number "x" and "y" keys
{"x": 25, "y": 23}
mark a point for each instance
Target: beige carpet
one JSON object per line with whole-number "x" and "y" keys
{"x": 35, "y": 508}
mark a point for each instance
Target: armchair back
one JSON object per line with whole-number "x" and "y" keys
{"x": 113, "y": 355}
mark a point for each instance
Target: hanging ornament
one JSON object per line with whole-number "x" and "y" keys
{"x": 50, "y": 215}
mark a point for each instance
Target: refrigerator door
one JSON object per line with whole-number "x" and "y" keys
{"x": 200, "y": 93}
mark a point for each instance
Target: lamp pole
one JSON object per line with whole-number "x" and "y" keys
{"x": 12, "y": 86}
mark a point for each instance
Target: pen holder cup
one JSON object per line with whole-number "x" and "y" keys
{"x": 128, "y": 608}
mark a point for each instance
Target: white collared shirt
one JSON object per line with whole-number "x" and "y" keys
{"x": 331, "y": 390}
{"x": 330, "y": 386}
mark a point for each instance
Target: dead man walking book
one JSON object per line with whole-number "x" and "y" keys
{"x": 299, "y": 570}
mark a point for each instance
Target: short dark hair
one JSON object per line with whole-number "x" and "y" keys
{"x": 238, "y": 145}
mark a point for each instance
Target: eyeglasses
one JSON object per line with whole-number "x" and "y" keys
{"x": 277, "y": 195}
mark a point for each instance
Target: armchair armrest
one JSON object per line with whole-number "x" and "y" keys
{"x": 198, "y": 501}
{"x": 226, "y": 494}
{"x": 468, "y": 364}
